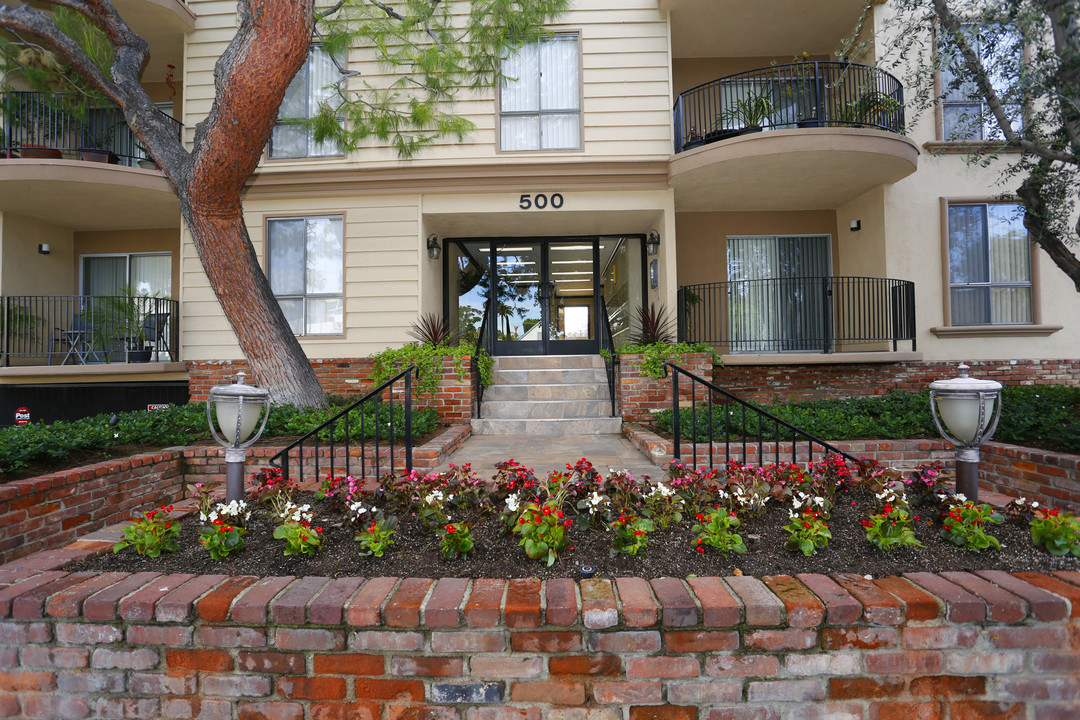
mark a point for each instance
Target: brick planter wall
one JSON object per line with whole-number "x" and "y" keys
{"x": 770, "y": 383}
{"x": 52, "y": 510}
{"x": 454, "y": 398}
{"x": 949, "y": 646}
{"x": 1050, "y": 478}
{"x": 639, "y": 394}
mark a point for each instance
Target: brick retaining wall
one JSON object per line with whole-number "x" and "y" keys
{"x": 770, "y": 383}
{"x": 950, "y": 646}
{"x": 639, "y": 394}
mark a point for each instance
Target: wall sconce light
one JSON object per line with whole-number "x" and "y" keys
{"x": 433, "y": 248}
{"x": 43, "y": 249}
{"x": 856, "y": 225}
{"x": 652, "y": 243}
{"x": 969, "y": 409}
{"x": 238, "y": 408}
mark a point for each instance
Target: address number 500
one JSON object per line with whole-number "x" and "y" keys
{"x": 540, "y": 201}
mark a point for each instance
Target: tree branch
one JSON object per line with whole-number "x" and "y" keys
{"x": 1037, "y": 212}
{"x": 1065, "y": 25}
{"x": 974, "y": 65}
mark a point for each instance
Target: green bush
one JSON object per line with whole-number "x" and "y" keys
{"x": 656, "y": 355}
{"x": 428, "y": 360}
{"x": 1043, "y": 416}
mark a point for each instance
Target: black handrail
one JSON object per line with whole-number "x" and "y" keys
{"x": 87, "y": 329}
{"x": 798, "y": 314}
{"x": 478, "y": 380}
{"x": 735, "y": 424}
{"x": 282, "y": 458}
{"x": 802, "y": 94}
{"x": 607, "y": 351}
{"x": 37, "y": 121}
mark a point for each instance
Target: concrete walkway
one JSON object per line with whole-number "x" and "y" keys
{"x": 605, "y": 452}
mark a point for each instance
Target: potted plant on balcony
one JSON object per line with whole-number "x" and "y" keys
{"x": 870, "y": 107}
{"x": 750, "y": 113}
{"x": 120, "y": 326}
{"x": 96, "y": 143}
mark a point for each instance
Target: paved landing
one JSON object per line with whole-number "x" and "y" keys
{"x": 605, "y": 452}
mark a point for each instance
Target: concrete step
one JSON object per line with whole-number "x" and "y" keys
{"x": 547, "y": 427}
{"x": 553, "y": 409}
{"x": 551, "y": 362}
{"x": 552, "y": 391}
{"x": 550, "y": 376}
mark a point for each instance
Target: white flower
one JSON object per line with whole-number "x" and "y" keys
{"x": 513, "y": 502}
{"x": 961, "y": 497}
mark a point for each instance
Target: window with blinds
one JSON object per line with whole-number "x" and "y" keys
{"x": 306, "y": 272}
{"x": 989, "y": 265}
{"x": 964, "y": 112}
{"x": 313, "y": 85}
{"x": 148, "y": 274}
{"x": 540, "y": 96}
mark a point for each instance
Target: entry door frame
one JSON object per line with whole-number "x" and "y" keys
{"x": 546, "y": 345}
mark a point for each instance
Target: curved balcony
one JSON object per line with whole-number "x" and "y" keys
{"x": 78, "y": 168}
{"x": 799, "y": 315}
{"x": 751, "y": 141}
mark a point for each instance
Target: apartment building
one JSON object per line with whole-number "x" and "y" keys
{"x": 709, "y": 157}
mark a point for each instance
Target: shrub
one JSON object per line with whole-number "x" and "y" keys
{"x": 655, "y": 355}
{"x": 428, "y": 360}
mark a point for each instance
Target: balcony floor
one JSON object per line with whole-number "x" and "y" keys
{"x": 794, "y": 169}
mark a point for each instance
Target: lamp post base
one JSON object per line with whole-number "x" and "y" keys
{"x": 967, "y": 478}
{"x": 234, "y": 480}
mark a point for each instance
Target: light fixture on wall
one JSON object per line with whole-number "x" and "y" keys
{"x": 969, "y": 409}
{"x": 43, "y": 249}
{"x": 433, "y": 248}
{"x": 652, "y": 242}
{"x": 856, "y": 225}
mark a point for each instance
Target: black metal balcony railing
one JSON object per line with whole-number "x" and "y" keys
{"x": 85, "y": 329}
{"x": 803, "y": 94}
{"x": 800, "y": 314}
{"x": 37, "y": 124}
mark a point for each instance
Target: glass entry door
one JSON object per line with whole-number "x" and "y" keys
{"x": 540, "y": 295}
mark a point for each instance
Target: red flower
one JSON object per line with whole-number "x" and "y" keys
{"x": 867, "y": 523}
{"x": 700, "y": 549}
{"x": 806, "y": 525}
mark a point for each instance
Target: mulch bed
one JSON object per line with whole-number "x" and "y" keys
{"x": 415, "y": 552}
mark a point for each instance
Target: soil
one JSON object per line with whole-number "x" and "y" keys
{"x": 670, "y": 553}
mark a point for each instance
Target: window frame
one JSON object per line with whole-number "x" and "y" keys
{"x": 499, "y": 114}
{"x": 127, "y": 266}
{"x": 268, "y": 220}
{"x": 269, "y": 154}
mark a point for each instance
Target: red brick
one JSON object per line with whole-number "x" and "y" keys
{"x": 1056, "y": 587}
{"x": 855, "y": 688}
{"x": 57, "y": 657}
{"x": 26, "y": 681}
{"x": 939, "y": 638}
{"x": 31, "y": 604}
{"x": 719, "y": 607}
{"x": 311, "y": 688}
{"x": 802, "y": 607}
{"x": 562, "y": 603}
{"x": 879, "y": 607}
{"x": 840, "y": 638}
{"x": 947, "y": 686}
{"x": 55, "y": 706}
{"x": 522, "y": 605}
{"x": 469, "y": 641}
{"x": 761, "y": 607}
{"x": 903, "y": 663}
{"x": 215, "y": 605}
{"x": 774, "y": 640}
{"x": 507, "y": 713}
{"x": 272, "y": 662}
{"x": 961, "y": 606}
{"x": 661, "y": 667}
{"x": 365, "y": 607}
{"x": 626, "y": 693}
{"x": 840, "y": 607}
{"x": 556, "y": 692}
{"x": 443, "y": 608}
{"x": 598, "y": 606}
{"x": 693, "y": 641}
{"x": 506, "y": 666}
{"x": 485, "y": 603}
{"x": 375, "y": 689}
{"x": 345, "y": 711}
{"x": 271, "y": 711}
{"x": 596, "y": 664}
{"x": 1001, "y": 606}
{"x": 231, "y": 636}
{"x": 252, "y": 605}
{"x": 970, "y": 663}
{"x": 550, "y": 641}
{"x": 349, "y": 664}
{"x": 158, "y": 635}
{"x": 386, "y": 640}
{"x": 140, "y": 659}
{"x": 309, "y": 639}
{"x": 204, "y": 660}
{"x": 742, "y": 665}
{"x": 178, "y": 604}
{"x": 663, "y": 712}
{"x": 678, "y": 606}
{"x": 421, "y": 712}
{"x": 78, "y": 634}
{"x": 329, "y": 607}
{"x": 636, "y": 598}
{"x": 139, "y": 606}
{"x": 1028, "y": 637}
{"x": 290, "y": 607}
{"x": 68, "y": 603}
{"x": 986, "y": 710}
{"x": 742, "y": 712}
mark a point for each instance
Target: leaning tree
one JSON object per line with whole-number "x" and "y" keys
{"x": 437, "y": 49}
{"x": 1020, "y": 59}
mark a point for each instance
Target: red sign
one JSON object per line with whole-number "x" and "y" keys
{"x": 157, "y": 406}
{"x": 22, "y": 416}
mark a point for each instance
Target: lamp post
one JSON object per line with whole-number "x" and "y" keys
{"x": 237, "y": 409}
{"x": 969, "y": 409}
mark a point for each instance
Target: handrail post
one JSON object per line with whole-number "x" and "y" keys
{"x": 675, "y": 419}
{"x": 826, "y": 291}
{"x": 408, "y": 421}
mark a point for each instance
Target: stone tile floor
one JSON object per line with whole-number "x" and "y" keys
{"x": 605, "y": 452}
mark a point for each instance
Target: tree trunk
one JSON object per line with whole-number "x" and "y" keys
{"x": 273, "y": 352}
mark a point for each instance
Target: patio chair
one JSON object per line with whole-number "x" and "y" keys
{"x": 156, "y": 330}
{"x": 73, "y": 341}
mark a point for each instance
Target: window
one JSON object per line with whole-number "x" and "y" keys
{"x": 313, "y": 84}
{"x": 989, "y": 265}
{"x": 540, "y": 98}
{"x": 145, "y": 273}
{"x": 965, "y": 113}
{"x": 306, "y": 272}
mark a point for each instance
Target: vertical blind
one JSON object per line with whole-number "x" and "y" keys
{"x": 540, "y": 97}
{"x": 989, "y": 265}
{"x": 306, "y": 272}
